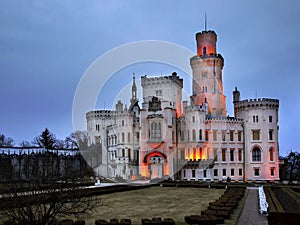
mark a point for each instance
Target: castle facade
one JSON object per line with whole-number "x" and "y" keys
{"x": 164, "y": 136}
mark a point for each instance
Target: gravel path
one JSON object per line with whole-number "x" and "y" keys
{"x": 250, "y": 214}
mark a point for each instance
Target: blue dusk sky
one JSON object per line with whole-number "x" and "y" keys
{"x": 46, "y": 46}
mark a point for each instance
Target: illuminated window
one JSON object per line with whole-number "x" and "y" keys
{"x": 231, "y": 155}
{"x": 194, "y": 153}
{"x": 223, "y": 154}
{"x": 271, "y": 154}
{"x": 224, "y": 172}
{"x": 256, "y": 154}
{"x": 256, "y": 172}
{"x": 214, "y": 135}
{"x": 239, "y": 135}
{"x": 255, "y": 135}
{"x": 270, "y": 135}
{"x": 232, "y": 172}
{"x": 231, "y": 135}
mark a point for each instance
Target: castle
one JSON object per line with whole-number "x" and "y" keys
{"x": 168, "y": 137}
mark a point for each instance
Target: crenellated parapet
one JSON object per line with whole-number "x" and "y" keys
{"x": 259, "y": 103}
{"x": 145, "y": 81}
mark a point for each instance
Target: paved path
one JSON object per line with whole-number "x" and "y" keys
{"x": 250, "y": 214}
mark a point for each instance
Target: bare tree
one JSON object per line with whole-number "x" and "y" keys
{"x": 290, "y": 170}
{"x": 43, "y": 199}
{"x": 6, "y": 141}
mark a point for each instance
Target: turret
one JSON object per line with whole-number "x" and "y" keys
{"x": 236, "y": 95}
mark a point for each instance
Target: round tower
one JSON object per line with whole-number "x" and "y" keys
{"x": 206, "y": 43}
{"x": 207, "y": 68}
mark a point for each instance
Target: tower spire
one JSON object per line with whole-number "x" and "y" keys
{"x": 133, "y": 89}
{"x": 205, "y": 26}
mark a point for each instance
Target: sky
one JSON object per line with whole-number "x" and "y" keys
{"x": 46, "y": 47}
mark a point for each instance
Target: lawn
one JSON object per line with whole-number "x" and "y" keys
{"x": 153, "y": 202}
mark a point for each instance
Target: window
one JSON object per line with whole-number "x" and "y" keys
{"x": 123, "y": 152}
{"x": 204, "y": 50}
{"x": 194, "y": 153}
{"x": 224, "y": 172}
{"x": 239, "y": 135}
{"x": 129, "y": 154}
{"x": 194, "y": 134}
{"x": 270, "y": 135}
{"x": 200, "y": 134}
{"x": 216, "y": 154}
{"x": 200, "y": 153}
{"x": 184, "y": 173}
{"x": 272, "y": 172}
{"x": 231, "y": 155}
{"x": 122, "y": 122}
{"x": 155, "y": 130}
{"x": 232, "y": 172}
{"x": 204, "y": 173}
{"x": 223, "y": 135}
{"x": 123, "y": 137}
{"x": 214, "y": 135}
{"x": 223, "y": 155}
{"x": 271, "y": 154}
{"x": 256, "y": 154}
{"x": 215, "y": 172}
{"x": 182, "y": 136}
{"x": 255, "y": 119}
{"x": 206, "y": 135}
{"x": 240, "y": 155}
{"x": 193, "y": 119}
{"x": 270, "y": 119}
{"x": 158, "y": 92}
{"x": 193, "y": 173}
{"x": 231, "y": 135}
{"x": 255, "y": 135}
{"x": 182, "y": 154}
{"x": 240, "y": 172}
{"x": 256, "y": 172}
{"x": 128, "y": 137}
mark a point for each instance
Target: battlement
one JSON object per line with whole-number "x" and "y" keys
{"x": 227, "y": 119}
{"x": 196, "y": 108}
{"x": 257, "y": 103}
{"x": 162, "y": 79}
{"x": 206, "y": 32}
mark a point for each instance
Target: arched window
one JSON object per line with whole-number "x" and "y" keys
{"x": 204, "y": 50}
{"x": 200, "y": 134}
{"x": 123, "y": 152}
{"x": 194, "y": 154}
{"x": 256, "y": 154}
{"x": 194, "y": 135}
{"x": 123, "y": 137}
{"x": 271, "y": 154}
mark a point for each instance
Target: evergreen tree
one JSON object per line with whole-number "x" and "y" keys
{"x": 47, "y": 140}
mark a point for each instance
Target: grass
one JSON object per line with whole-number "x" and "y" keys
{"x": 153, "y": 202}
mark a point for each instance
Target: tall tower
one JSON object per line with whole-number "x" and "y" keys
{"x": 207, "y": 68}
{"x": 133, "y": 91}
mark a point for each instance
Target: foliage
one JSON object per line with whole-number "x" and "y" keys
{"x": 290, "y": 170}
